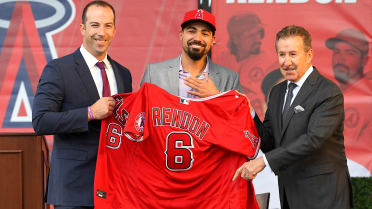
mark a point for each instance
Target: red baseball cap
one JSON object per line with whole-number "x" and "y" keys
{"x": 199, "y": 15}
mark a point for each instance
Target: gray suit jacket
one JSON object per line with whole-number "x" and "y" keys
{"x": 307, "y": 151}
{"x": 165, "y": 75}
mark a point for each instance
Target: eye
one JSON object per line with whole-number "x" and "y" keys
{"x": 191, "y": 30}
{"x": 351, "y": 52}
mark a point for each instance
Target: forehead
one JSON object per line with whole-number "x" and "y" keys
{"x": 97, "y": 13}
{"x": 343, "y": 45}
{"x": 198, "y": 25}
{"x": 291, "y": 43}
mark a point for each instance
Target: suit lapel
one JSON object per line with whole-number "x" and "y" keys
{"x": 85, "y": 76}
{"x": 118, "y": 78}
{"x": 172, "y": 75}
{"x": 279, "y": 107}
{"x": 213, "y": 74}
{"x": 301, "y": 96}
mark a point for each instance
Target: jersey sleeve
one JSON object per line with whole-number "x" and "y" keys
{"x": 136, "y": 127}
{"x": 237, "y": 131}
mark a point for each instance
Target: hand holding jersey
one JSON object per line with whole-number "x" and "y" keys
{"x": 101, "y": 109}
{"x": 250, "y": 169}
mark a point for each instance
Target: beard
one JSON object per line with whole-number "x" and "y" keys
{"x": 341, "y": 73}
{"x": 255, "y": 48}
{"x": 345, "y": 75}
{"x": 193, "y": 53}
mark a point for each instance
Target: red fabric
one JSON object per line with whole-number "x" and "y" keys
{"x": 151, "y": 158}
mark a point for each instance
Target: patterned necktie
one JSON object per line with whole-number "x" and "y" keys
{"x": 291, "y": 86}
{"x": 106, "y": 86}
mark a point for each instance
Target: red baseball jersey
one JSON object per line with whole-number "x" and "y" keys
{"x": 161, "y": 151}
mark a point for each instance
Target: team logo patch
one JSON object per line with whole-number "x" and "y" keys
{"x": 101, "y": 194}
{"x": 184, "y": 101}
{"x": 139, "y": 123}
{"x": 254, "y": 140}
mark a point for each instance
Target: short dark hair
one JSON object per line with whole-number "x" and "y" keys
{"x": 97, "y": 3}
{"x": 293, "y": 31}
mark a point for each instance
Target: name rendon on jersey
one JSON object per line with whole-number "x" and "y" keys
{"x": 179, "y": 119}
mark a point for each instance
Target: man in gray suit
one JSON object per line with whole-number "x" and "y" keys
{"x": 193, "y": 74}
{"x": 302, "y": 134}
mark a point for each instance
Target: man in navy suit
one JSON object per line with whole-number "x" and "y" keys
{"x": 72, "y": 97}
{"x": 302, "y": 134}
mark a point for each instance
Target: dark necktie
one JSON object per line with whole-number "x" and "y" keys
{"x": 291, "y": 86}
{"x": 106, "y": 92}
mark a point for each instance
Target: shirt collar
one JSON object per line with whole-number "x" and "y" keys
{"x": 206, "y": 69}
{"x": 90, "y": 59}
{"x": 303, "y": 78}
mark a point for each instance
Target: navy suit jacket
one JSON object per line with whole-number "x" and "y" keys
{"x": 307, "y": 151}
{"x": 65, "y": 90}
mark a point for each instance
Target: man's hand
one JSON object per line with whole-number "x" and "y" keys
{"x": 203, "y": 88}
{"x": 103, "y": 108}
{"x": 250, "y": 169}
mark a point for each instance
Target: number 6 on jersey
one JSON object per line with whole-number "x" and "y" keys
{"x": 178, "y": 153}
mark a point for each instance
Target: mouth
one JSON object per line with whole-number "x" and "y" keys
{"x": 100, "y": 40}
{"x": 289, "y": 69}
{"x": 341, "y": 68}
{"x": 196, "y": 44}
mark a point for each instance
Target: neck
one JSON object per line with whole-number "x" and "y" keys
{"x": 194, "y": 67}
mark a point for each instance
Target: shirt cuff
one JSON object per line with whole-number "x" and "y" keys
{"x": 253, "y": 113}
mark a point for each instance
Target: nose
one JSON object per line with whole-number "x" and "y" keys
{"x": 101, "y": 30}
{"x": 338, "y": 57}
{"x": 287, "y": 60}
{"x": 198, "y": 36}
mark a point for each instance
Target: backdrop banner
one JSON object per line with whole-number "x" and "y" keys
{"x": 33, "y": 32}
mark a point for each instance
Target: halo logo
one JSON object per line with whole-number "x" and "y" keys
{"x": 26, "y": 45}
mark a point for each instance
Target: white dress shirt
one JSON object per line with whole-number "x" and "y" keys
{"x": 96, "y": 72}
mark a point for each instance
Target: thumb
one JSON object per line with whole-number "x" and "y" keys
{"x": 237, "y": 173}
{"x": 206, "y": 77}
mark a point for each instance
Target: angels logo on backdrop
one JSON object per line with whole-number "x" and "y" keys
{"x": 26, "y": 29}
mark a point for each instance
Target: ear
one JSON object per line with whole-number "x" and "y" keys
{"x": 214, "y": 40}
{"x": 82, "y": 29}
{"x": 180, "y": 34}
{"x": 310, "y": 56}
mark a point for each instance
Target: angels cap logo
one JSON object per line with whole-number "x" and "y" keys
{"x": 199, "y": 14}
{"x": 139, "y": 123}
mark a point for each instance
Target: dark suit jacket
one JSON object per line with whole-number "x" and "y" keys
{"x": 307, "y": 151}
{"x": 65, "y": 90}
{"x": 165, "y": 75}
